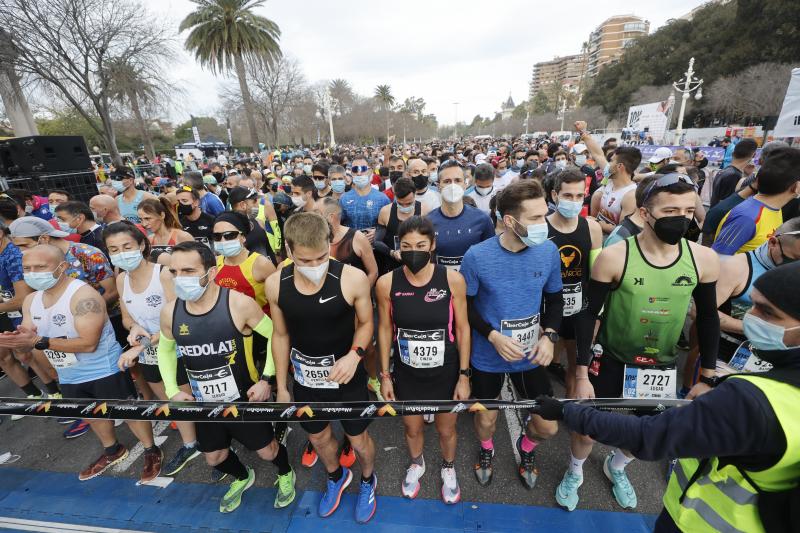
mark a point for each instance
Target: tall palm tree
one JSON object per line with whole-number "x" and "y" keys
{"x": 383, "y": 94}
{"x": 342, "y": 95}
{"x": 129, "y": 82}
{"x": 226, "y": 33}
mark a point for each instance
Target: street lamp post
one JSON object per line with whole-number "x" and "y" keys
{"x": 686, "y": 85}
{"x": 330, "y": 115}
{"x": 455, "y": 126}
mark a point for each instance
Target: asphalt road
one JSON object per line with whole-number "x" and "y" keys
{"x": 41, "y": 445}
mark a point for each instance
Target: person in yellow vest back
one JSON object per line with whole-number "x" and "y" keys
{"x": 739, "y": 444}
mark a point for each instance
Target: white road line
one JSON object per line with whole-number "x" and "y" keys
{"x": 138, "y": 450}
{"x": 512, "y": 416}
{"x": 55, "y": 527}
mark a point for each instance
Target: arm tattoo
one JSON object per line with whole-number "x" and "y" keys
{"x": 86, "y": 306}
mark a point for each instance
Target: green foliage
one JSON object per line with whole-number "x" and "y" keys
{"x": 70, "y": 122}
{"x": 206, "y": 126}
{"x": 723, "y": 38}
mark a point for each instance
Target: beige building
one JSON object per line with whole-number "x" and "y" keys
{"x": 610, "y": 39}
{"x": 566, "y": 71}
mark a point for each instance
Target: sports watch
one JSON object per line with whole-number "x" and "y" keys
{"x": 42, "y": 344}
{"x": 552, "y": 335}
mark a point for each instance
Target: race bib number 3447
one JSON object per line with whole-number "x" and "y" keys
{"x": 524, "y": 330}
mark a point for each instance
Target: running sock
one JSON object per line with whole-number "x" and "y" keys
{"x": 448, "y": 464}
{"x": 31, "y": 390}
{"x": 151, "y": 449}
{"x": 113, "y": 449}
{"x": 336, "y": 475}
{"x": 192, "y": 444}
{"x": 619, "y": 461}
{"x": 233, "y": 466}
{"x": 52, "y": 387}
{"x": 369, "y": 479}
{"x": 282, "y": 460}
{"x": 419, "y": 461}
{"x": 527, "y": 444}
{"x": 576, "y": 465}
{"x": 487, "y": 444}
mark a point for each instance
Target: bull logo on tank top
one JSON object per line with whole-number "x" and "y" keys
{"x": 434, "y": 295}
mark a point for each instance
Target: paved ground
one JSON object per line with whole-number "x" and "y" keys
{"x": 42, "y": 447}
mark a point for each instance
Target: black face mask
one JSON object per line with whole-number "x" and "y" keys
{"x": 185, "y": 210}
{"x": 420, "y": 182}
{"x": 415, "y": 260}
{"x": 218, "y": 176}
{"x": 395, "y": 175}
{"x": 274, "y": 187}
{"x": 671, "y": 229}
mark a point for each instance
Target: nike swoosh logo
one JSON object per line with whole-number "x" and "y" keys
{"x": 322, "y": 301}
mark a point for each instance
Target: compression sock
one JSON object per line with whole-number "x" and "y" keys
{"x": 113, "y": 449}
{"x": 527, "y": 444}
{"x": 448, "y": 464}
{"x": 576, "y": 465}
{"x": 282, "y": 460}
{"x": 619, "y": 461}
{"x": 487, "y": 444}
{"x": 419, "y": 461}
{"x": 336, "y": 475}
{"x": 52, "y": 387}
{"x": 233, "y": 466}
{"x": 31, "y": 390}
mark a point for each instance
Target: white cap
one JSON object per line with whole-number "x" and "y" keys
{"x": 660, "y": 155}
{"x": 579, "y": 148}
{"x": 480, "y": 158}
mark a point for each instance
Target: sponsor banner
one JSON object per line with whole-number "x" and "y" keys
{"x": 287, "y": 412}
{"x": 651, "y": 117}
{"x": 788, "y": 124}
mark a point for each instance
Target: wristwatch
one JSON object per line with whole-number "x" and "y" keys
{"x": 42, "y": 344}
{"x": 359, "y": 351}
{"x": 552, "y": 335}
{"x": 467, "y": 372}
{"x": 711, "y": 382}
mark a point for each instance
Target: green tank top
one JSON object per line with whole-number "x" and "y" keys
{"x": 644, "y": 314}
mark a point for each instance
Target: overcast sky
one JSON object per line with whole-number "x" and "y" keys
{"x": 471, "y": 52}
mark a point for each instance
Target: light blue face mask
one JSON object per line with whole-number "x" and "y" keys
{"x": 569, "y": 208}
{"x": 188, "y": 288}
{"x": 127, "y": 261}
{"x": 337, "y": 186}
{"x": 65, "y": 227}
{"x": 41, "y": 281}
{"x": 537, "y": 234}
{"x": 118, "y": 186}
{"x": 228, "y": 248}
{"x": 763, "y": 335}
{"x": 607, "y": 171}
{"x": 434, "y": 177}
{"x": 405, "y": 209}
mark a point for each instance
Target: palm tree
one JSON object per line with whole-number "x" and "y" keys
{"x": 226, "y": 33}
{"x": 383, "y": 94}
{"x": 342, "y": 95}
{"x": 129, "y": 82}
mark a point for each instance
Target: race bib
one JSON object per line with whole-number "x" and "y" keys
{"x": 573, "y": 298}
{"x": 214, "y": 384}
{"x": 524, "y": 330}
{"x": 746, "y": 361}
{"x": 421, "y": 349}
{"x": 61, "y": 359}
{"x": 642, "y": 382}
{"x": 313, "y": 372}
{"x": 149, "y": 356}
{"x": 450, "y": 263}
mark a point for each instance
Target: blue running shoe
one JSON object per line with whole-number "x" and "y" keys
{"x": 78, "y": 428}
{"x": 567, "y": 490}
{"x": 333, "y": 494}
{"x": 367, "y": 502}
{"x": 620, "y": 485}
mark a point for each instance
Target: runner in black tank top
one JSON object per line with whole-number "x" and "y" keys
{"x": 343, "y": 251}
{"x": 391, "y": 238}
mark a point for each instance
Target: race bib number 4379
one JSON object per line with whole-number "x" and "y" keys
{"x": 421, "y": 349}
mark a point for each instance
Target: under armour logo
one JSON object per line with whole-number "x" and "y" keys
{"x": 638, "y": 281}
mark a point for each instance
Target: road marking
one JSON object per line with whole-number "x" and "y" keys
{"x": 513, "y": 420}
{"x": 56, "y": 527}
{"x": 138, "y": 450}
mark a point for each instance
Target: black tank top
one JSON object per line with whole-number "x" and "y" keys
{"x": 214, "y": 355}
{"x": 344, "y": 253}
{"x": 390, "y": 239}
{"x": 424, "y": 332}
{"x": 256, "y": 241}
{"x": 573, "y": 248}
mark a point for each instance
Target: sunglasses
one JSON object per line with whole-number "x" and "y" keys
{"x": 359, "y": 169}
{"x": 226, "y": 235}
{"x": 666, "y": 181}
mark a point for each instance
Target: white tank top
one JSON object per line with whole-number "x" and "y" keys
{"x": 611, "y": 201}
{"x": 145, "y": 307}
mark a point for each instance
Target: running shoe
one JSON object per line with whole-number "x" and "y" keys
{"x": 428, "y": 419}
{"x": 180, "y": 459}
{"x": 65, "y": 421}
{"x": 233, "y": 498}
{"x": 285, "y": 495}
{"x": 411, "y": 485}
{"x": 217, "y": 475}
{"x": 348, "y": 457}
{"x": 567, "y": 490}
{"x": 14, "y": 418}
{"x": 309, "y": 458}
{"x": 152, "y": 465}
{"x": 483, "y": 468}
{"x": 2, "y": 375}
{"x": 78, "y": 428}
{"x": 55, "y": 396}
{"x": 527, "y": 469}
{"x": 374, "y": 386}
{"x": 620, "y": 485}
{"x": 451, "y": 492}
{"x": 683, "y": 392}
{"x": 333, "y": 493}
{"x": 173, "y": 426}
{"x": 367, "y": 503}
{"x": 103, "y": 463}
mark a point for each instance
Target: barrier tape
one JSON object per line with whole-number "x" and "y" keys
{"x": 290, "y": 412}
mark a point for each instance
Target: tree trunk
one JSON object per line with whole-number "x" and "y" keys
{"x": 109, "y": 136}
{"x": 137, "y": 113}
{"x": 248, "y": 102}
{"x": 16, "y": 106}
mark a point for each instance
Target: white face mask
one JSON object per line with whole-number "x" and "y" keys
{"x": 314, "y": 274}
{"x": 299, "y": 202}
{"x": 561, "y": 164}
{"x": 452, "y": 193}
{"x": 580, "y": 160}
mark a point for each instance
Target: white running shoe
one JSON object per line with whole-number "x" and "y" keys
{"x": 451, "y": 492}
{"x": 411, "y": 482}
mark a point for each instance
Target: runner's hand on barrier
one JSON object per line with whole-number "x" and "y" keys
{"x": 387, "y": 389}
{"x": 345, "y": 368}
{"x": 463, "y": 389}
{"x": 698, "y": 389}
{"x": 282, "y": 396}
{"x": 549, "y": 408}
{"x": 182, "y": 397}
{"x": 508, "y": 348}
{"x": 259, "y": 392}
{"x": 542, "y": 353}
{"x": 583, "y": 388}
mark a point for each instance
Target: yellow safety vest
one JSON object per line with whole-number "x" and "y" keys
{"x": 274, "y": 238}
{"x": 722, "y": 499}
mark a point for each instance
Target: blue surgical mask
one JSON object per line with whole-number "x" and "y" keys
{"x": 228, "y": 248}
{"x": 41, "y": 281}
{"x": 569, "y": 208}
{"x": 607, "y": 171}
{"x": 118, "y": 186}
{"x": 127, "y": 260}
{"x": 307, "y": 169}
{"x": 188, "y": 288}
{"x": 434, "y": 177}
{"x": 319, "y": 184}
{"x": 66, "y": 227}
{"x": 536, "y": 234}
{"x": 580, "y": 160}
{"x": 562, "y": 164}
{"x": 338, "y": 186}
{"x": 405, "y": 209}
{"x": 361, "y": 181}
{"x": 764, "y": 335}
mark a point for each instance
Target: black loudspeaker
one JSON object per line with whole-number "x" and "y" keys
{"x": 44, "y": 154}
{"x": 80, "y": 185}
